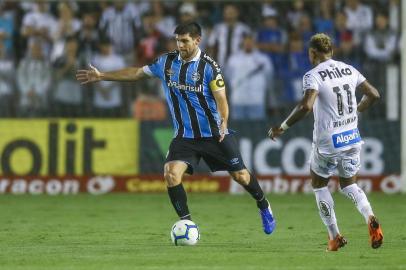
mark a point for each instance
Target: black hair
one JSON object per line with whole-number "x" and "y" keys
{"x": 191, "y": 28}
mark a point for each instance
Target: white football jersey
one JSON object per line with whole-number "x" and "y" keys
{"x": 335, "y": 109}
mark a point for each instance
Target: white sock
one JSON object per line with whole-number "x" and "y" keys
{"x": 325, "y": 204}
{"x": 357, "y": 195}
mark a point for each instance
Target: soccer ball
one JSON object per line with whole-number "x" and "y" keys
{"x": 185, "y": 233}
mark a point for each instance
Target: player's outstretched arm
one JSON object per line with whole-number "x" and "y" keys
{"x": 370, "y": 96}
{"x": 301, "y": 110}
{"x": 92, "y": 74}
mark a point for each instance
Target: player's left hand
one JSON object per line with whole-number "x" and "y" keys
{"x": 223, "y": 129}
{"x": 275, "y": 132}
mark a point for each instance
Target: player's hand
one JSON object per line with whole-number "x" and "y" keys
{"x": 88, "y": 75}
{"x": 275, "y": 132}
{"x": 223, "y": 129}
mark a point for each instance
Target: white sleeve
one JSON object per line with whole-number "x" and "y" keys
{"x": 360, "y": 77}
{"x": 147, "y": 71}
{"x": 310, "y": 82}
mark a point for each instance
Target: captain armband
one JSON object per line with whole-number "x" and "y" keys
{"x": 218, "y": 83}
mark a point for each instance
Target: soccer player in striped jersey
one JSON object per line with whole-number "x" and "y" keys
{"x": 196, "y": 96}
{"x": 329, "y": 90}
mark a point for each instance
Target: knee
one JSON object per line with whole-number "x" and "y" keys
{"x": 242, "y": 177}
{"x": 347, "y": 182}
{"x": 172, "y": 178}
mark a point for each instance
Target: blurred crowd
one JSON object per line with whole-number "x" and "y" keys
{"x": 261, "y": 47}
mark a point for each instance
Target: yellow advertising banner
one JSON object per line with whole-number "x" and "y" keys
{"x": 69, "y": 147}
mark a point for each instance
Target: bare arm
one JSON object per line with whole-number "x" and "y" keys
{"x": 222, "y": 105}
{"x": 93, "y": 75}
{"x": 370, "y": 96}
{"x": 299, "y": 112}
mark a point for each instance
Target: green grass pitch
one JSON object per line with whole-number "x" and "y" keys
{"x": 124, "y": 231}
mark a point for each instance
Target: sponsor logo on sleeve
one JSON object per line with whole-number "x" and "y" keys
{"x": 307, "y": 82}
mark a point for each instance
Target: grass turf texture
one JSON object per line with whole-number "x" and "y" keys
{"x": 124, "y": 231}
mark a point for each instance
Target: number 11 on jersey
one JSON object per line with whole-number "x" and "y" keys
{"x": 340, "y": 107}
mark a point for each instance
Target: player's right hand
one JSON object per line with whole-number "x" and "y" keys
{"x": 275, "y": 132}
{"x": 88, "y": 75}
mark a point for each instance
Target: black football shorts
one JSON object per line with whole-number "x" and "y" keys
{"x": 219, "y": 156}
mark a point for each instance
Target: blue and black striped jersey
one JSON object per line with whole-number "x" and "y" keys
{"x": 188, "y": 90}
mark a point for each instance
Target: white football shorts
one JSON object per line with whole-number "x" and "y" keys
{"x": 345, "y": 164}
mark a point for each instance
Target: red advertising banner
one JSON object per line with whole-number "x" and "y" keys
{"x": 98, "y": 185}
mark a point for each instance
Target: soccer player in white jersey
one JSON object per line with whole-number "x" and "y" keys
{"x": 329, "y": 90}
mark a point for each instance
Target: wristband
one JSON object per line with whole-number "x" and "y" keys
{"x": 284, "y": 126}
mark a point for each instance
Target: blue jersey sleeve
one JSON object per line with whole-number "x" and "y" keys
{"x": 156, "y": 68}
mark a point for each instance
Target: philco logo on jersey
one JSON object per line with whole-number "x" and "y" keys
{"x": 346, "y": 138}
{"x": 335, "y": 73}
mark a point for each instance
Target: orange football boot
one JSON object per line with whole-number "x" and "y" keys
{"x": 336, "y": 243}
{"x": 375, "y": 232}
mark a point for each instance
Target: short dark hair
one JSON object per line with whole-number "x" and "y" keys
{"x": 191, "y": 28}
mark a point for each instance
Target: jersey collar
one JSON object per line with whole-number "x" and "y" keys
{"x": 196, "y": 58}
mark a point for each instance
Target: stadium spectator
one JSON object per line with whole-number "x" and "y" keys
{"x": 343, "y": 42}
{"x": 7, "y": 28}
{"x": 249, "y": 84}
{"x": 394, "y": 15}
{"x": 226, "y": 37}
{"x": 305, "y": 29}
{"x": 108, "y": 100}
{"x": 67, "y": 97}
{"x": 88, "y": 38}
{"x": 7, "y": 83}
{"x": 324, "y": 21}
{"x": 296, "y": 65}
{"x": 380, "y": 49}
{"x": 120, "y": 23}
{"x": 295, "y": 14}
{"x": 380, "y": 43}
{"x": 151, "y": 42}
{"x": 164, "y": 22}
{"x": 33, "y": 80}
{"x": 187, "y": 12}
{"x": 341, "y": 31}
{"x": 272, "y": 38}
{"x": 268, "y": 7}
{"x": 354, "y": 11}
{"x": 346, "y": 53}
{"x": 38, "y": 26}
{"x": 66, "y": 26}
{"x": 151, "y": 45}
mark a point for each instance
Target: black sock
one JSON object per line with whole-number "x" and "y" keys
{"x": 256, "y": 192}
{"x": 177, "y": 194}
